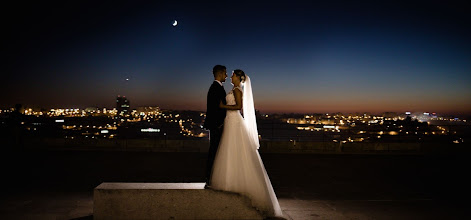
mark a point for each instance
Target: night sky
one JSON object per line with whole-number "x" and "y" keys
{"x": 301, "y": 56}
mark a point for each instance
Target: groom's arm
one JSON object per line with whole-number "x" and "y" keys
{"x": 212, "y": 101}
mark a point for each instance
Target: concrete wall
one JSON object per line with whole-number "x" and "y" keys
{"x": 130, "y": 201}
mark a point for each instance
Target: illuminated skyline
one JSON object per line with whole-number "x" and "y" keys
{"x": 302, "y": 57}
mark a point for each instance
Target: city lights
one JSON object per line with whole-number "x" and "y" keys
{"x": 152, "y": 122}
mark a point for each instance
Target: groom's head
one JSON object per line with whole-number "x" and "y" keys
{"x": 220, "y": 73}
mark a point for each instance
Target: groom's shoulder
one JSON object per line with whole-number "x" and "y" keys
{"x": 215, "y": 85}
{"x": 213, "y": 88}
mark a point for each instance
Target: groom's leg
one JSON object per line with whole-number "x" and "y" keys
{"x": 214, "y": 138}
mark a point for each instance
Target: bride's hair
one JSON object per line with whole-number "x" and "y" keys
{"x": 240, "y": 74}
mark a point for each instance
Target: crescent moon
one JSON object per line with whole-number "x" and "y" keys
{"x": 175, "y": 23}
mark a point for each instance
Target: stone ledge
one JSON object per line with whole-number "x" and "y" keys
{"x": 168, "y": 201}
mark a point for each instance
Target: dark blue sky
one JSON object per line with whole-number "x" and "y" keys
{"x": 301, "y": 56}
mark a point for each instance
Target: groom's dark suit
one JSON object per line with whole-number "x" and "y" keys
{"x": 214, "y": 122}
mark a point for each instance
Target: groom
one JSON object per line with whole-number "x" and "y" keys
{"x": 215, "y": 116}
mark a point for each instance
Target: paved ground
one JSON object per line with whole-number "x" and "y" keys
{"x": 59, "y": 184}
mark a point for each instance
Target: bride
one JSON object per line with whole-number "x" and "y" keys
{"x": 238, "y": 166}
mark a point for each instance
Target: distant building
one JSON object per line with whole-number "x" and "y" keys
{"x": 147, "y": 109}
{"x": 91, "y": 109}
{"x": 423, "y": 117}
{"x": 122, "y": 105}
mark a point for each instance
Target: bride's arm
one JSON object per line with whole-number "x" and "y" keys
{"x": 238, "y": 99}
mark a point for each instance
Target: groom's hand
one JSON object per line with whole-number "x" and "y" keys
{"x": 221, "y": 105}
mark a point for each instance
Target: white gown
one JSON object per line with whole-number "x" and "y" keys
{"x": 238, "y": 166}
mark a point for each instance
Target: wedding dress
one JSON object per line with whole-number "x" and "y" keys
{"x": 238, "y": 166}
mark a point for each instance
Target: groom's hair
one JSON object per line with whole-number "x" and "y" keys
{"x": 218, "y": 68}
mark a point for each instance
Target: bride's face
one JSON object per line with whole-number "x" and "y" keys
{"x": 235, "y": 79}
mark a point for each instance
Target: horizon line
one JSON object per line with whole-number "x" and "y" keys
{"x": 448, "y": 113}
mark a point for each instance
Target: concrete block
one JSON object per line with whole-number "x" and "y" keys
{"x": 168, "y": 201}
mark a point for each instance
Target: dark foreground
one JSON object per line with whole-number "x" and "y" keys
{"x": 309, "y": 186}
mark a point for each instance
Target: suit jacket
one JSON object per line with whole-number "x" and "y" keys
{"x": 215, "y": 115}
